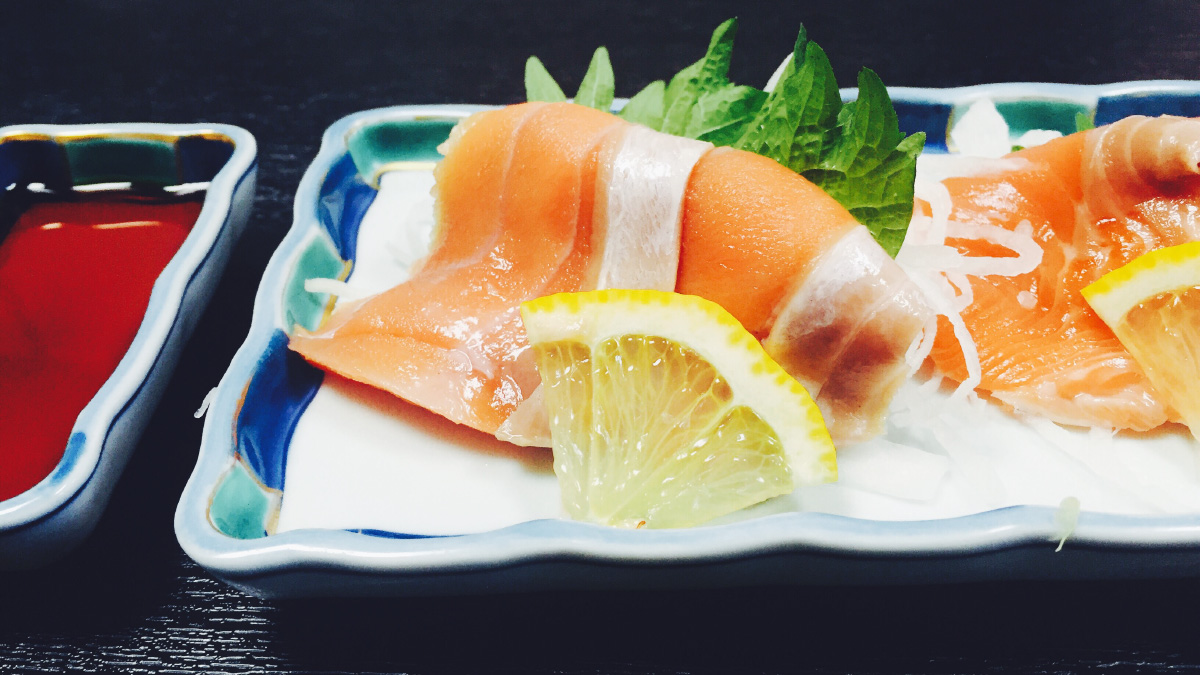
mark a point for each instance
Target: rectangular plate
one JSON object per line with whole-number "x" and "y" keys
{"x": 474, "y": 540}
{"x": 57, "y": 513}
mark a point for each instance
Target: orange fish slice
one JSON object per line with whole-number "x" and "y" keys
{"x": 514, "y": 221}
{"x": 538, "y": 199}
{"x": 1093, "y": 201}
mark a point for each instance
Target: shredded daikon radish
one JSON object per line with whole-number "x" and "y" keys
{"x": 341, "y": 289}
{"x": 931, "y": 229}
{"x": 941, "y": 271}
{"x": 981, "y": 131}
{"x": 1098, "y": 458}
{"x": 942, "y": 298}
{"x": 1037, "y": 137}
{"x": 920, "y": 349}
{"x": 911, "y": 406}
{"x": 964, "y": 293}
{"x": 894, "y": 469}
{"x": 774, "y": 79}
{"x": 949, "y": 259}
{"x": 208, "y": 399}
{"x": 1065, "y": 520}
{"x": 937, "y": 168}
{"x": 935, "y": 423}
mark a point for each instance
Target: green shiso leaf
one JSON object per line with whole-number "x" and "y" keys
{"x": 539, "y": 84}
{"x": 722, "y": 116}
{"x": 798, "y": 124}
{"x": 598, "y": 86}
{"x": 714, "y": 67}
{"x": 646, "y": 106}
{"x": 1084, "y": 121}
{"x": 853, "y": 151}
{"x": 869, "y": 166}
{"x": 719, "y": 107}
{"x": 703, "y": 79}
{"x": 680, "y": 89}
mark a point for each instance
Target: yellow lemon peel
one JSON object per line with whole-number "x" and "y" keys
{"x": 665, "y": 412}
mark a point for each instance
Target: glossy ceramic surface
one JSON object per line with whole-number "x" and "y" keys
{"x": 227, "y": 517}
{"x": 57, "y": 513}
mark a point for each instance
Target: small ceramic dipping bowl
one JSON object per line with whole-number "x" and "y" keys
{"x": 43, "y": 165}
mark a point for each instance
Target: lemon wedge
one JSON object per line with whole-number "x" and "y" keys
{"x": 1153, "y": 306}
{"x": 665, "y": 412}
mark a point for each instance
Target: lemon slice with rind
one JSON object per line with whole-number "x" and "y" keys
{"x": 665, "y": 412}
{"x": 1153, "y": 306}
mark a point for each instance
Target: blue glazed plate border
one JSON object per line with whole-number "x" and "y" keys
{"x": 326, "y": 556}
{"x": 90, "y": 433}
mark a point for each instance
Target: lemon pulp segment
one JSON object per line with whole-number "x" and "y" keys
{"x": 663, "y": 415}
{"x": 1152, "y": 305}
{"x": 1163, "y": 335}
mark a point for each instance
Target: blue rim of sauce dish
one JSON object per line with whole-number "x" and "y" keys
{"x": 224, "y": 517}
{"x": 50, "y": 518}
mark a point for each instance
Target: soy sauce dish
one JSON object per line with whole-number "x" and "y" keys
{"x": 112, "y": 238}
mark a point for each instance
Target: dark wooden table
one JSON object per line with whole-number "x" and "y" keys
{"x": 130, "y": 601}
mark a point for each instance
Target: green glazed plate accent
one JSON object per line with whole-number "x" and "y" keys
{"x": 116, "y": 159}
{"x": 389, "y": 145}
{"x": 318, "y": 260}
{"x": 1026, "y": 115}
{"x": 241, "y": 507}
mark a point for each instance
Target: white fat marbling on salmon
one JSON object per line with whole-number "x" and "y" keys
{"x": 1154, "y": 152}
{"x": 845, "y": 331}
{"x": 636, "y": 234}
{"x": 1129, "y": 190}
{"x": 639, "y": 210}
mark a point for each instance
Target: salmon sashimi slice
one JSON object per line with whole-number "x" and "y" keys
{"x": 752, "y": 229}
{"x": 636, "y": 230}
{"x": 639, "y": 209}
{"x": 514, "y": 209}
{"x": 545, "y": 198}
{"x": 1088, "y": 203}
{"x": 846, "y": 333}
{"x": 796, "y": 268}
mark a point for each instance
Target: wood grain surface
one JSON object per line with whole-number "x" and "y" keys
{"x": 129, "y": 601}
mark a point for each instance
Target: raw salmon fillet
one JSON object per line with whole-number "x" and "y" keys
{"x": 798, "y": 270}
{"x": 1094, "y": 201}
{"x": 538, "y": 199}
{"x": 514, "y": 221}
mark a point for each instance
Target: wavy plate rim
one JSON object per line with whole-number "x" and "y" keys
{"x": 75, "y": 471}
{"x": 337, "y": 551}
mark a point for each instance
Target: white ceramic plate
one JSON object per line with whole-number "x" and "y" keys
{"x": 336, "y": 489}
